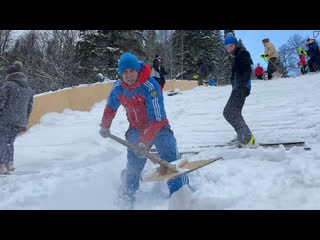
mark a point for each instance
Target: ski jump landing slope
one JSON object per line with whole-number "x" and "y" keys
{"x": 68, "y": 165}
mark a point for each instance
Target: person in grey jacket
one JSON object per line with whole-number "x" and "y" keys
{"x": 16, "y": 101}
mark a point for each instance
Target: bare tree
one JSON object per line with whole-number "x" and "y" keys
{"x": 287, "y": 62}
{"x": 295, "y": 42}
{"x": 48, "y": 57}
{"x": 6, "y": 40}
{"x": 58, "y": 50}
{"x": 289, "y": 54}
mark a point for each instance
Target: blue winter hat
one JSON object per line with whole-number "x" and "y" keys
{"x": 230, "y": 39}
{"x": 128, "y": 61}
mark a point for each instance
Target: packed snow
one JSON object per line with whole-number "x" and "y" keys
{"x": 63, "y": 162}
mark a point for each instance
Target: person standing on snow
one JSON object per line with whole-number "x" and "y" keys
{"x": 271, "y": 52}
{"x": 303, "y": 64}
{"x": 241, "y": 87}
{"x": 203, "y": 70}
{"x": 313, "y": 55}
{"x": 259, "y": 72}
{"x": 157, "y": 71}
{"x": 16, "y": 102}
{"x": 162, "y": 73}
{"x": 142, "y": 99}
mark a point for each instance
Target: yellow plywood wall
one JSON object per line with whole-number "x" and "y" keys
{"x": 83, "y": 98}
{"x": 182, "y": 85}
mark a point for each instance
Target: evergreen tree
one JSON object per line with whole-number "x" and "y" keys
{"x": 184, "y": 52}
{"x": 150, "y": 44}
{"x": 165, "y": 50}
{"x": 190, "y": 45}
{"x": 228, "y": 31}
{"x": 98, "y": 51}
{"x": 222, "y": 64}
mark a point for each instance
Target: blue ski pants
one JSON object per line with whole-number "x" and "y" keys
{"x": 166, "y": 146}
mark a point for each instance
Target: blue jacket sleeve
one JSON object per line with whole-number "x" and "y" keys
{"x": 113, "y": 101}
{"x": 154, "y": 101}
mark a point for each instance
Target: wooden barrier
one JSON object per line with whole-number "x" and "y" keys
{"x": 78, "y": 99}
{"x": 83, "y": 98}
{"x": 182, "y": 85}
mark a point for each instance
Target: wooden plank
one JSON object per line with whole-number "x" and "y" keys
{"x": 165, "y": 174}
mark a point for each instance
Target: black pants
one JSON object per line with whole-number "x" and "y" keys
{"x": 232, "y": 112}
{"x": 313, "y": 66}
{"x": 160, "y": 80}
{"x": 304, "y": 69}
{"x": 272, "y": 67}
{"x": 259, "y": 77}
{"x": 202, "y": 78}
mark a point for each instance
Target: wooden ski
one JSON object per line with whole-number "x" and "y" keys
{"x": 183, "y": 167}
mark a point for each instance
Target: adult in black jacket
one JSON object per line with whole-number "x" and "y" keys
{"x": 203, "y": 70}
{"x": 162, "y": 73}
{"x": 241, "y": 87}
{"x": 313, "y": 55}
{"x": 157, "y": 71}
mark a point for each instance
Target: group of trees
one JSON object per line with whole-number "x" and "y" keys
{"x": 55, "y": 59}
{"x": 179, "y": 50}
{"x": 49, "y": 57}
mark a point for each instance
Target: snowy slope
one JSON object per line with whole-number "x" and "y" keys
{"x": 72, "y": 167}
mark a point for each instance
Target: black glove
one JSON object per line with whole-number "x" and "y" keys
{"x": 104, "y": 132}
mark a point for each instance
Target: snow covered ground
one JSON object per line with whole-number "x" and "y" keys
{"x": 71, "y": 167}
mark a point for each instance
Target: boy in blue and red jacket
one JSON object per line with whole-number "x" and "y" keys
{"x": 142, "y": 99}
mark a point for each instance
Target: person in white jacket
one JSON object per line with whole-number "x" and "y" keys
{"x": 273, "y": 57}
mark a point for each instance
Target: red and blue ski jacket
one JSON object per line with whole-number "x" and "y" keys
{"x": 143, "y": 102}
